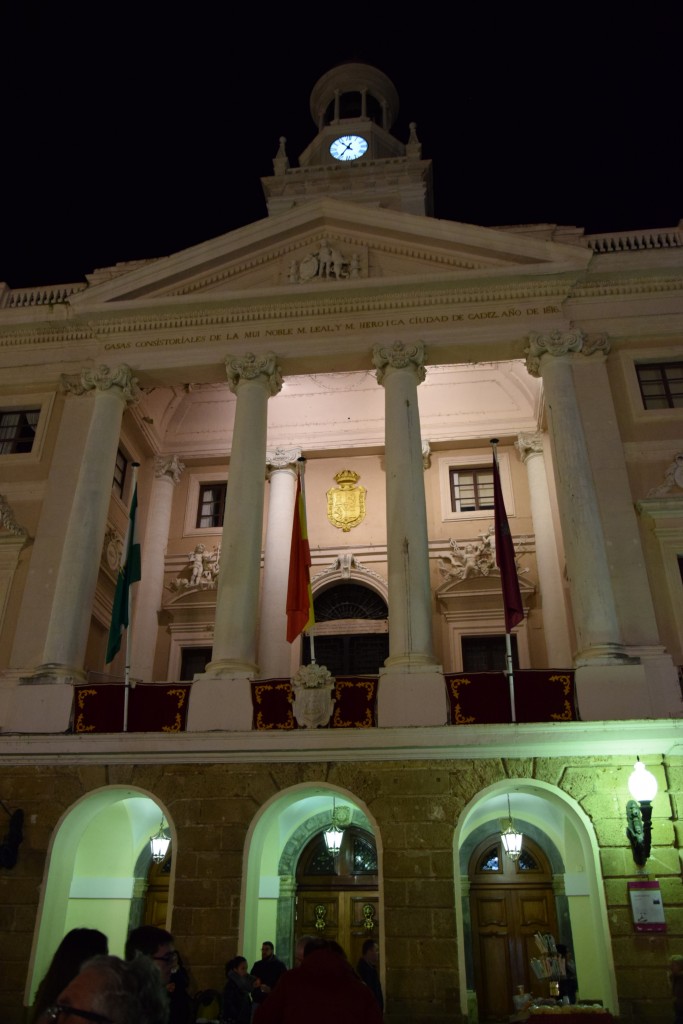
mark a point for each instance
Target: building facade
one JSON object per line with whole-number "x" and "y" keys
{"x": 386, "y": 348}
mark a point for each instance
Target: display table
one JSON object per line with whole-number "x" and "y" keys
{"x": 570, "y": 1015}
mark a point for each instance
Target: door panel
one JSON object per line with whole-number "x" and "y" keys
{"x": 346, "y": 917}
{"x": 509, "y": 903}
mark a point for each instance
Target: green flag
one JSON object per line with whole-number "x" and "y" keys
{"x": 129, "y": 572}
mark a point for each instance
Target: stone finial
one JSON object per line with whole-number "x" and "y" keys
{"x": 399, "y": 357}
{"x": 426, "y": 454}
{"x": 413, "y": 146}
{"x": 168, "y": 465}
{"x": 102, "y": 379}
{"x": 251, "y": 367}
{"x": 281, "y": 161}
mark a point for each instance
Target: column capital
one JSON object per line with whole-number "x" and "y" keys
{"x": 528, "y": 445}
{"x": 103, "y": 379}
{"x": 251, "y": 367}
{"x": 562, "y": 343}
{"x": 399, "y": 357}
{"x": 168, "y": 466}
{"x": 282, "y": 458}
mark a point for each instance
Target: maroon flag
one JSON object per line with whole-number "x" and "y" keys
{"x": 299, "y": 598}
{"x": 505, "y": 557}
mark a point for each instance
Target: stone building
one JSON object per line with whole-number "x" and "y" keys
{"x": 351, "y": 328}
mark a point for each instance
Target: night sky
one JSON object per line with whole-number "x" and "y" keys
{"x": 134, "y": 133}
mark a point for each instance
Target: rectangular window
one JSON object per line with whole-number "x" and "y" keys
{"x": 211, "y": 507}
{"x": 487, "y": 653}
{"x": 193, "y": 660}
{"x": 661, "y": 385}
{"x": 17, "y": 430}
{"x": 120, "y": 470}
{"x": 471, "y": 489}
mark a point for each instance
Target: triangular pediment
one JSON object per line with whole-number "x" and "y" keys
{"x": 331, "y": 244}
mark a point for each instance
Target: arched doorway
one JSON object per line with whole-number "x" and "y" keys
{"x": 95, "y": 873}
{"x": 509, "y": 902}
{"x": 337, "y": 895}
{"x": 562, "y": 835}
{"x": 351, "y": 631}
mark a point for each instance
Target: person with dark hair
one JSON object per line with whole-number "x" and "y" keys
{"x": 157, "y": 944}
{"x": 113, "y": 991}
{"x": 324, "y": 986}
{"x": 237, "y": 1004}
{"x": 77, "y": 946}
{"x": 268, "y": 970}
{"x": 367, "y": 970}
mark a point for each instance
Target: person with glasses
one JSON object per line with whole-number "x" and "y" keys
{"x": 158, "y": 945}
{"x": 112, "y": 991}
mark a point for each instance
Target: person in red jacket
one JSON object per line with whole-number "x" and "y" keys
{"x": 324, "y": 987}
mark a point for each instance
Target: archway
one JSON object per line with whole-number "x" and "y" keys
{"x": 96, "y": 871}
{"x": 277, "y": 838}
{"x": 557, "y": 827}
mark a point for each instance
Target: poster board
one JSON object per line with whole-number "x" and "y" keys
{"x": 647, "y": 908}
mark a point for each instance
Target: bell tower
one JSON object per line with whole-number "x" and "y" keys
{"x": 354, "y": 156}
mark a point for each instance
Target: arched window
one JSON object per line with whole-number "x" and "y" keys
{"x": 352, "y": 636}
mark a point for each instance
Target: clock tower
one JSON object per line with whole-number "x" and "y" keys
{"x": 354, "y": 156}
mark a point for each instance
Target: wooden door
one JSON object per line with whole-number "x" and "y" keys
{"x": 509, "y": 902}
{"x": 346, "y": 917}
{"x": 337, "y": 897}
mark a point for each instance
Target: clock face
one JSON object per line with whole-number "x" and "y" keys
{"x": 348, "y": 147}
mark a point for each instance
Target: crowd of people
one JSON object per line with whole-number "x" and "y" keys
{"x": 151, "y": 986}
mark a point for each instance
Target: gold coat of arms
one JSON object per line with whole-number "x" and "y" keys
{"x": 346, "y": 503}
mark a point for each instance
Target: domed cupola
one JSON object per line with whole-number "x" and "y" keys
{"x": 354, "y": 156}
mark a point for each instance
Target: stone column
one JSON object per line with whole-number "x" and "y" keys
{"x": 275, "y": 653}
{"x": 595, "y": 616}
{"x": 400, "y": 368}
{"x": 558, "y": 647}
{"x": 69, "y": 624}
{"x": 253, "y": 379}
{"x": 150, "y": 589}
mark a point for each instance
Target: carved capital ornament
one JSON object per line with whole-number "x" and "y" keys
{"x": 252, "y": 367}
{"x": 399, "y": 357}
{"x": 103, "y": 379}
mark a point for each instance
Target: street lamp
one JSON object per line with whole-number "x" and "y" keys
{"x": 643, "y": 788}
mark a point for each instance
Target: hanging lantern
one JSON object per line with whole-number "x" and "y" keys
{"x": 333, "y": 834}
{"x": 159, "y": 844}
{"x": 511, "y": 838}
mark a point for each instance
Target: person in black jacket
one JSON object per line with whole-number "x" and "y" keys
{"x": 236, "y": 1006}
{"x": 268, "y": 970}
{"x": 367, "y": 970}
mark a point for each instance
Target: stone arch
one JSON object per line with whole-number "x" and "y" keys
{"x": 287, "y": 870}
{"x": 559, "y": 825}
{"x": 108, "y": 828}
{"x": 276, "y": 836}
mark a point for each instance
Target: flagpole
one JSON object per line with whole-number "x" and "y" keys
{"x": 509, "y": 667}
{"x": 129, "y": 631}
{"x": 301, "y": 469}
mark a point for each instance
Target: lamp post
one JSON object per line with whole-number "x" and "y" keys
{"x": 643, "y": 788}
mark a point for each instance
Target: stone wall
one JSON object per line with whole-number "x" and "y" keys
{"x": 416, "y": 805}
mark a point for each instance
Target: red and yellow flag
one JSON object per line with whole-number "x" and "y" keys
{"x": 299, "y": 596}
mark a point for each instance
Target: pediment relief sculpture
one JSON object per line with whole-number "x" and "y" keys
{"x": 329, "y": 260}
